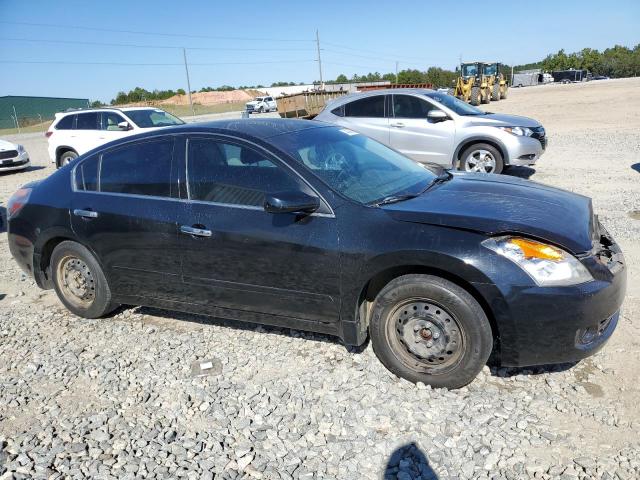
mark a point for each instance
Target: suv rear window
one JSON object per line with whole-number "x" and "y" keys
{"x": 66, "y": 123}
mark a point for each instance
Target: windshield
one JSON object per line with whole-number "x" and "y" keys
{"x": 491, "y": 69}
{"x": 452, "y": 103}
{"x": 354, "y": 165}
{"x": 469, "y": 70}
{"x": 153, "y": 118}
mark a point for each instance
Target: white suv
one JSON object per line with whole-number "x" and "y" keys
{"x": 75, "y": 132}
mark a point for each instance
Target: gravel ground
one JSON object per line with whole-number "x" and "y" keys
{"x": 122, "y": 397}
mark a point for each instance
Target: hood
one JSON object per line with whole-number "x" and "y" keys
{"x": 253, "y": 102}
{"x": 500, "y": 119}
{"x": 4, "y": 145}
{"x": 494, "y": 204}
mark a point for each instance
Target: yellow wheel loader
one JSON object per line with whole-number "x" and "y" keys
{"x": 497, "y": 83}
{"x": 472, "y": 86}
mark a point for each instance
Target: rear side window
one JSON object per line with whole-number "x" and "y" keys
{"x": 66, "y": 123}
{"x": 138, "y": 169}
{"x": 372, "y": 107}
{"x": 87, "y": 174}
{"x": 227, "y": 173}
{"x": 87, "y": 121}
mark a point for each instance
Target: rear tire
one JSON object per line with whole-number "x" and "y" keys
{"x": 428, "y": 329}
{"x": 475, "y": 96}
{"x": 495, "y": 92}
{"x": 66, "y": 158}
{"x": 79, "y": 281}
{"x": 486, "y": 96}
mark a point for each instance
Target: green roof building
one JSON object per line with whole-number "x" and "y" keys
{"x": 33, "y": 110}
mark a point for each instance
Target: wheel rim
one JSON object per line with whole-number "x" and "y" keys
{"x": 481, "y": 161}
{"x": 426, "y": 336}
{"x": 76, "y": 281}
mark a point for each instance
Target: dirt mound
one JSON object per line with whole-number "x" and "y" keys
{"x": 209, "y": 98}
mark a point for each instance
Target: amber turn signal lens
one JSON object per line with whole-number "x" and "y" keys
{"x": 533, "y": 249}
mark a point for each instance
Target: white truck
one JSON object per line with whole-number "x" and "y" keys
{"x": 262, "y": 105}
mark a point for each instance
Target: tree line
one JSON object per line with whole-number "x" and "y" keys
{"x": 616, "y": 62}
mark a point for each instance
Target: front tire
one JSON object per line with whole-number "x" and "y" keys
{"x": 428, "y": 329}
{"x": 475, "y": 96}
{"x": 481, "y": 158}
{"x": 79, "y": 281}
{"x": 495, "y": 92}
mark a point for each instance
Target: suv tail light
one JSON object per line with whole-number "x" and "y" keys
{"x": 17, "y": 201}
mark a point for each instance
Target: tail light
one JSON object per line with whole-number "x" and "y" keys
{"x": 48, "y": 133}
{"x": 17, "y": 201}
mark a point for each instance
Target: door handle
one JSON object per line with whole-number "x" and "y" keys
{"x": 198, "y": 232}
{"x": 85, "y": 213}
{"x": 398, "y": 125}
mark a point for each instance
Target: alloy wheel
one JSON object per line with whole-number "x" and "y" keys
{"x": 481, "y": 161}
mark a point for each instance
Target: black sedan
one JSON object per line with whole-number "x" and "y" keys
{"x": 310, "y": 226}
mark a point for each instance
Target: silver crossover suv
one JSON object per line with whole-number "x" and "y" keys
{"x": 430, "y": 126}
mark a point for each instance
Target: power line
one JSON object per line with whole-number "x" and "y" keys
{"x": 373, "y": 58}
{"x": 64, "y": 62}
{"x": 136, "y": 45}
{"x": 377, "y": 53}
{"x": 163, "y": 34}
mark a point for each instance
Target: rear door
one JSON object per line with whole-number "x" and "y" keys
{"x": 86, "y": 135}
{"x": 417, "y": 137}
{"x": 284, "y": 265}
{"x": 367, "y": 116}
{"x": 124, "y": 208}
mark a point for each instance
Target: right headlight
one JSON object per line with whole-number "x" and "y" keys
{"x": 518, "y": 131}
{"x": 545, "y": 264}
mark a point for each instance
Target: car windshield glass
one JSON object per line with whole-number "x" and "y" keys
{"x": 469, "y": 70}
{"x": 452, "y": 103}
{"x": 354, "y": 165}
{"x": 153, "y": 118}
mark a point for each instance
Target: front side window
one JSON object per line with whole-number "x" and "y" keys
{"x": 406, "y": 106}
{"x": 110, "y": 121}
{"x": 150, "y": 118}
{"x": 66, "y": 123}
{"x": 354, "y": 165}
{"x": 366, "y": 107}
{"x": 87, "y": 121}
{"x": 233, "y": 174}
{"x": 139, "y": 169}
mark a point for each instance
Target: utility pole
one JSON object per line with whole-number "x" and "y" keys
{"x": 319, "y": 59}
{"x": 511, "y": 75}
{"x": 396, "y": 71}
{"x": 186, "y": 69}
{"x": 15, "y": 116}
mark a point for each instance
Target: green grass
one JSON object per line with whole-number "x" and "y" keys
{"x": 41, "y": 127}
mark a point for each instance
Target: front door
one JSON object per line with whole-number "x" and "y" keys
{"x": 417, "y": 137}
{"x": 237, "y": 256}
{"x": 124, "y": 209}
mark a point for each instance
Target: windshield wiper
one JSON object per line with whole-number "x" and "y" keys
{"x": 394, "y": 199}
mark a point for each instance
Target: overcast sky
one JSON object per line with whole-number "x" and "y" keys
{"x": 248, "y": 43}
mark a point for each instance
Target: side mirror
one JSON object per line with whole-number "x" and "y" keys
{"x": 291, "y": 202}
{"x": 437, "y": 116}
{"x": 124, "y": 126}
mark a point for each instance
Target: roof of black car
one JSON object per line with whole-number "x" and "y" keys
{"x": 262, "y": 128}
